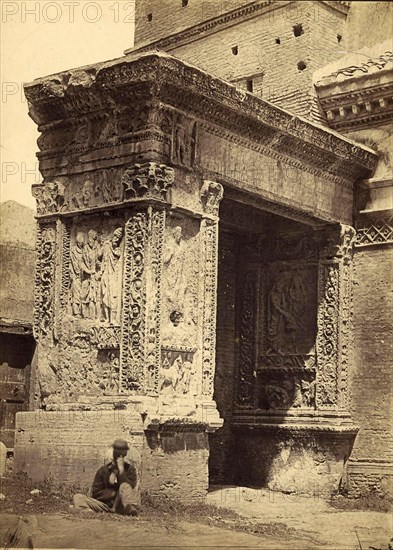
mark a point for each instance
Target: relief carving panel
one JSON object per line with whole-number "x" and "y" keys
{"x": 180, "y": 282}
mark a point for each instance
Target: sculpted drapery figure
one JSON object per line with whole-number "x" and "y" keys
{"x": 94, "y": 276}
{"x": 76, "y": 274}
{"x": 285, "y": 311}
{"x": 174, "y": 257}
{"x": 110, "y": 277}
{"x": 90, "y": 275}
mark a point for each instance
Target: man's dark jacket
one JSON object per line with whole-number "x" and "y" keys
{"x": 105, "y": 491}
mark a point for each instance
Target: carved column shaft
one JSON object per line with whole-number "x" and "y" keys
{"x": 334, "y": 318}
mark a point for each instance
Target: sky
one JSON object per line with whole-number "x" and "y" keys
{"x": 41, "y": 38}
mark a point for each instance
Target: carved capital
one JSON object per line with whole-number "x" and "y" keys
{"x": 150, "y": 180}
{"x": 211, "y": 195}
{"x": 339, "y": 241}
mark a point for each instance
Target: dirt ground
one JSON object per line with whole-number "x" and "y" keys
{"x": 233, "y": 517}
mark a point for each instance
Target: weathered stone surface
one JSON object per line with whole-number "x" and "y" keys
{"x": 3, "y": 458}
{"x": 371, "y": 375}
{"x": 300, "y": 461}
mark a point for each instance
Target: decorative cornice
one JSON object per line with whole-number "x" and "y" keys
{"x": 358, "y": 96}
{"x": 70, "y": 96}
{"x": 225, "y": 20}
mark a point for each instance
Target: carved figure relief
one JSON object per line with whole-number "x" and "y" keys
{"x": 110, "y": 277}
{"x": 180, "y": 282}
{"x": 211, "y": 195}
{"x": 79, "y": 192}
{"x": 177, "y": 373}
{"x": 286, "y": 305}
{"x": 291, "y": 312}
{"x": 76, "y": 254}
{"x": 95, "y": 276}
{"x": 174, "y": 269}
{"x": 184, "y": 141}
{"x": 90, "y": 276}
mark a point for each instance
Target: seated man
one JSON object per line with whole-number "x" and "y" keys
{"x": 114, "y": 486}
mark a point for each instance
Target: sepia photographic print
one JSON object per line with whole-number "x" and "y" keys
{"x": 196, "y": 274}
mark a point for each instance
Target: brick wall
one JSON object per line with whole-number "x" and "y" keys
{"x": 169, "y": 16}
{"x": 266, "y": 45}
{"x": 371, "y": 379}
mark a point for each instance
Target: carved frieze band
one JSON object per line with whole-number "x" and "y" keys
{"x": 44, "y": 280}
{"x": 334, "y": 318}
{"x": 103, "y": 188}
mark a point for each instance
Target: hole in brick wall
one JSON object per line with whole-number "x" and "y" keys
{"x": 301, "y": 65}
{"x": 149, "y": 17}
{"x": 249, "y": 85}
{"x": 339, "y": 38}
{"x": 298, "y": 30}
{"x": 278, "y": 41}
{"x": 184, "y": 3}
{"x": 235, "y": 50}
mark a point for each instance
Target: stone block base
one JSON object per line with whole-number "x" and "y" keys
{"x": 175, "y": 465}
{"x": 302, "y": 461}
{"x": 69, "y": 446}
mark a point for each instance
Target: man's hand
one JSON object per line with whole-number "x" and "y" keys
{"x": 120, "y": 464}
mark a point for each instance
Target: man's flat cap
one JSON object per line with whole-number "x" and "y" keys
{"x": 121, "y": 445}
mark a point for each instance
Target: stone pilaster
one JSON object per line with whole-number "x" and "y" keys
{"x": 145, "y": 189}
{"x": 334, "y": 318}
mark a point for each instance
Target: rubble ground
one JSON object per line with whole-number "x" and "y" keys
{"x": 38, "y": 515}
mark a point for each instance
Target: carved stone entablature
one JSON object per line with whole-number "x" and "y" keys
{"x": 374, "y": 229}
{"x": 211, "y": 195}
{"x": 150, "y": 180}
{"x": 162, "y": 78}
{"x": 358, "y": 96}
